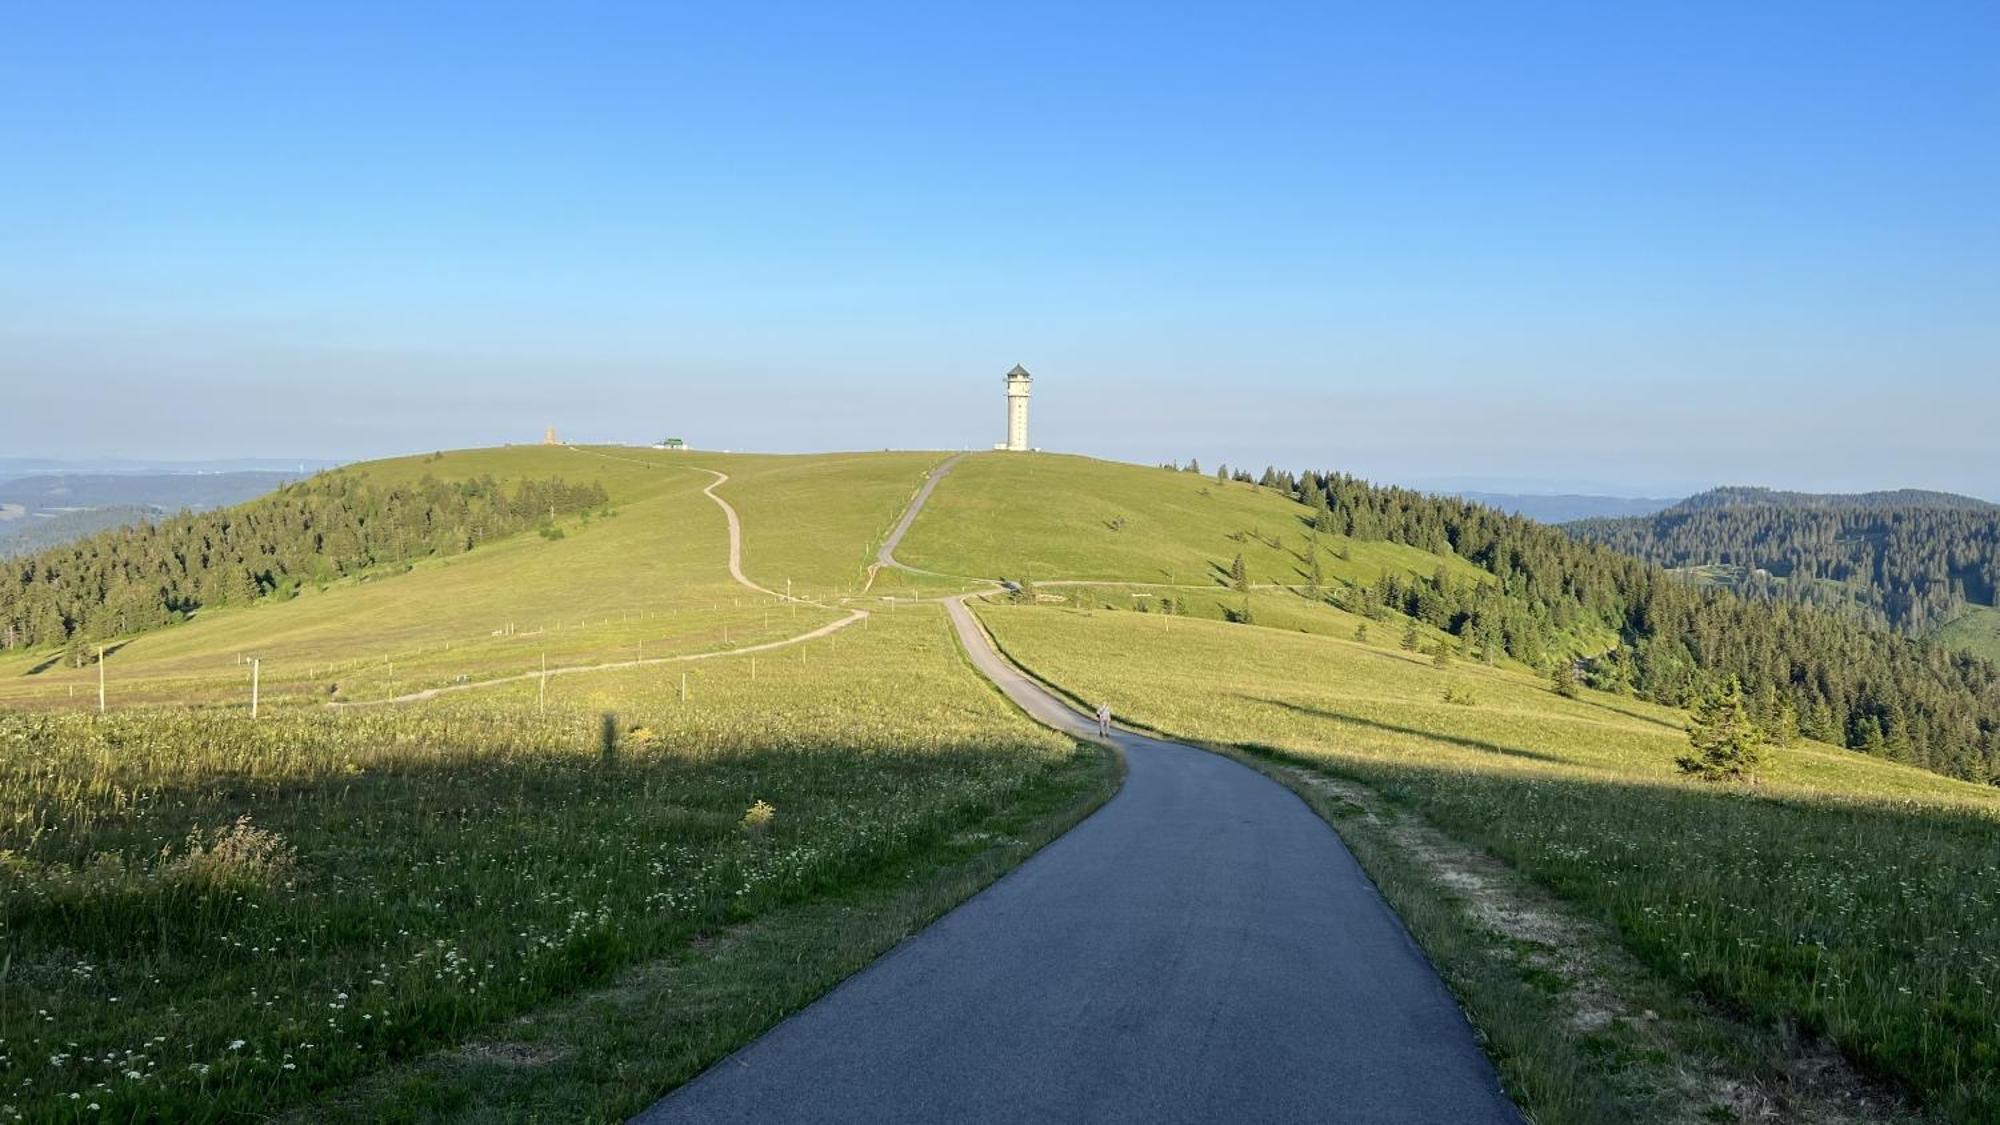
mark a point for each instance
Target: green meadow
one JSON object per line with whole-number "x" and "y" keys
{"x": 1976, "y": 632}
{"x": 333, "y": 909}
{"x": 647, "y": 581}
{"x": 501, "y": 904}
{"x": 1051, "y": 517}
{"x": 208, "y": 917}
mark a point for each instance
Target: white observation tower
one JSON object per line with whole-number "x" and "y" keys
{"x": 1018, "y": 381}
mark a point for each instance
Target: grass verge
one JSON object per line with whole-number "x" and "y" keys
{"x": 609, "y": 1053}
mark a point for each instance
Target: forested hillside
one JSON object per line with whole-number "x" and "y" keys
{"x": 140, "y": 577}
{"x": 1911, "y": 561}
{"x": 1806, "y": 670}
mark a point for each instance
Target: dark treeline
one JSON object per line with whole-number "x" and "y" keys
{"x": 1906, "y": 561}
{"x": 155, "y": 573}
{"x": 1805, "y": 670}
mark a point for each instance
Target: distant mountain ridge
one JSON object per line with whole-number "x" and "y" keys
{"x": 1565, "y": 507}
{"x": 165, "y": 491}
{"x": 1744, "y": 496}
{"x": 1913, "y": 560}
{"x": 50, "y": 509}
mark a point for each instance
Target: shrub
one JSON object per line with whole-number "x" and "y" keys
{"x": 241, "y": 857}
{"x": 757, "y": 819}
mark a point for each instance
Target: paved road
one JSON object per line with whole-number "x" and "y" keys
{"x": 885, "y": 555}
{"x": 1202, "y": 949}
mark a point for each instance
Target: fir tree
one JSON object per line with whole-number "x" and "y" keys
{"x": 1562, "y": 678}
{"x": 1727, "y": 744}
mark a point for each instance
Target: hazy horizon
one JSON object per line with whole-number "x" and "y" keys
{"x": 1655, "y": 250}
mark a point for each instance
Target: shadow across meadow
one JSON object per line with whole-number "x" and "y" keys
{"x": 1392, "y": 728}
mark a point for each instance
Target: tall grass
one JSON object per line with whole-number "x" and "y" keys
{"x": 206, "y": 916}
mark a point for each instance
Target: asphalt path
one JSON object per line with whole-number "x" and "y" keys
{"x": 1203, "y": 948}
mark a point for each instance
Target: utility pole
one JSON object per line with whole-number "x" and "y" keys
{"x": 255, "y": 668}
{"x": 684, "y": 687}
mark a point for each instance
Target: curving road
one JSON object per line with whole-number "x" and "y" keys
{"x": 1203, "y": 948}
{"x": 885, "y": 555}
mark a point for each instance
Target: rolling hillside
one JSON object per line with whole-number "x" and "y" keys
{"x": 1074, "y": 518}
{"x": 1430, "y": 761}
{"x": 1378, "y": 651}
{"x": 1910, "y": 560}
{"x": 354, "y": 911}
{"x": 646, "y": 580}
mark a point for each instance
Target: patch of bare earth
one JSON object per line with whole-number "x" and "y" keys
{"x": 510, "y": 1054}
{"x": 1808, "y": 1080}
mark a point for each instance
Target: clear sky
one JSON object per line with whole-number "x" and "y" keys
{"x": 1644, "y": 247}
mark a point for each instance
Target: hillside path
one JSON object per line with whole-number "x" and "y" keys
{"x": 735, "y": 572}
{"x": 1203, "y": 948}
{"x": 885, "y": 555}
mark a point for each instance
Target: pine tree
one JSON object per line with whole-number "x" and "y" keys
{"x": 1239, "y": 575}
{"x": 1727, "y": 744}
{"x": 1412, "y": 639}
{"x": 1562, "y": 678}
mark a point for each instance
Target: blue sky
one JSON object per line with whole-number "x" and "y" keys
{"x": 1612, "y": 245}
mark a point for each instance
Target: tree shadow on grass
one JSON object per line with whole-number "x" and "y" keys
{"x": 1625, "y": 714}
{"x": 56, "y": 658}
{"x": 1391, "y": 728}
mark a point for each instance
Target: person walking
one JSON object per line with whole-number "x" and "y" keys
{"x": 1104, "y": 720}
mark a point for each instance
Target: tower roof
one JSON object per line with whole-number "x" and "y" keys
{"x": 1019, "y": 372}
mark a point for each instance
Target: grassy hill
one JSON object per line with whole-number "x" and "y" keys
{"x": 1643, "y": 887}
{"x": 377, "y": 906}
{"x": 1049, "y": 516}
{"x": 412, "y": 847}
{"x": 647, "y": 581}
